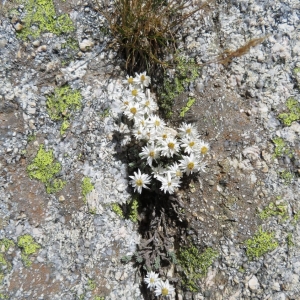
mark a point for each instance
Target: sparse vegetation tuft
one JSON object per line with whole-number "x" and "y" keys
{"x": 144, "y": 29}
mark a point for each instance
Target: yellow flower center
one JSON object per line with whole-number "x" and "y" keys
{"x": 151, "y": 153}
{"x": 178, "y": 173}
{"x": 130, "y": 80}
{"x": 133, "y": 110}
{"x": 143, "y": 77}
{"x": 147, "y": 103}
{"x": 204, "y": 150}
{"x": 134, "y": 92}
{"x": 152, "y": 280}
{"x": 139, "y": 182}
{"x": 191, "y": 166}
{"x": 188, "y": 131}
{"x": 164, "y": 136}
{"x": 171, "y": 145}
{"x": 156, "y": 123}
{"x": 126, "y": 103}
{"x": 164, "y": 291}
{"x": 169, "y": 183}
{"x": 191, "y": 144}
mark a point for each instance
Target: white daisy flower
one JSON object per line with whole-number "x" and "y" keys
{"x": 155, "y": 122}
{"x": 188, "y": 130}
{"x": 169, "y": 147}
{"x": 128, "y": 81}
{"x": 133, "y": 110}
{"x": 142, "y": 79}
{"x": 165, "y": 133}
{"x": 150, "y": 152}
{"x": 149, "y": 105}
{"x": 140, "y": 120}
{"x": 190, "y": 144}
{"x": 203, "y": 148}
{"x": 175, "y": 170}
{"x": 163, "y": 288}
{"x": 139, "y": 133}
{"x": 126, "y": 102}
{"x": 151, "y": 279}
{"x": 169, "y": 183}
{"x": 139, "y": 181}
{"x": 189, "y": 164}
{"x": 158, "y": 171}
{"x": 135, "y": 93}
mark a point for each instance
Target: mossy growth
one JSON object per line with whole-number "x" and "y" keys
{"x": 3, "y": 296}
{"x": 5, "y": 244}
{"x": 86, "y": 187}
{"x": 64, "y": 126}
{"x": 28, "y": 247}
{"x": 281, "y": 148}
{"x": 133, "y": 209}
{"x": 195, "y": 265}
{"x": 91, "y": 284}
{"x": 287, "y": 176}
{"x": 45, "y": 169}
{"x": 98, "y": 298}
{"x": 261, "y": 243}
{"x": 187, "y": 107}
{"x": 296, "y": 217}
{"x": 289, "y": 240}
{"x": 63, "y": 102}
{"x": 293, "y": 113}
{"x": 275, "y": 210}
{"x": 186, "y": 71}
{"x": 40, "y": 16}
{"x": 117, "y": 210}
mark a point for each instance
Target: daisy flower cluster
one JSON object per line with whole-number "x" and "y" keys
{"x": 162, "y": 144}
{"x": 163, "y": 288}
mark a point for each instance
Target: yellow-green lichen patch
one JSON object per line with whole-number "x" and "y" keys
{"x": 275, "y": 210}
{"x": 261, "y": 243}
{"x": 281, "y": 148}
{"x": 40, "y": 16}
{"x": 45, "y": 169}
{"x": 117, "y": 210}
{"x": 28, "y": 247}
{"x": 293, "y": 113}
{"x": 63, "y": 102}
{"x": 195, "y": 265}
{"x": 86, "y": 187}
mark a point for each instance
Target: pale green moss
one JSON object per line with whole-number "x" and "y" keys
{"x": 86, "y": 187}
{"x": 195, "y": 265}
{"x": 186, "y": 71}
{"x": 133, "y": 209}
{"x": 64, "y": 126}
{"x": 41, "y": 17}
{"x": 187, "y": 107}
{"x": 294, "y": 112}
{"x": 275, "y": 210}
{"x": 287, "y": 176}
{"x": 5, "y": 244}
{"x": 261, "y": 243}
{"x": 28, "y": 247}
{"x": 91, "y": 284}
{"x": 3, "y": 296}
{"x": 63, "y": 103}
{"x": 117, "y": 210}
{"x": 45, "y": 169}
{"x": 289, "y": 240}
{"x": 98, "y": 298}
{"x": 281, "y": 148}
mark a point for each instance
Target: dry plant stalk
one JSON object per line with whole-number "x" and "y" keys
{"x": 228, "y": 55}
{"x": 144, "y": 29}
